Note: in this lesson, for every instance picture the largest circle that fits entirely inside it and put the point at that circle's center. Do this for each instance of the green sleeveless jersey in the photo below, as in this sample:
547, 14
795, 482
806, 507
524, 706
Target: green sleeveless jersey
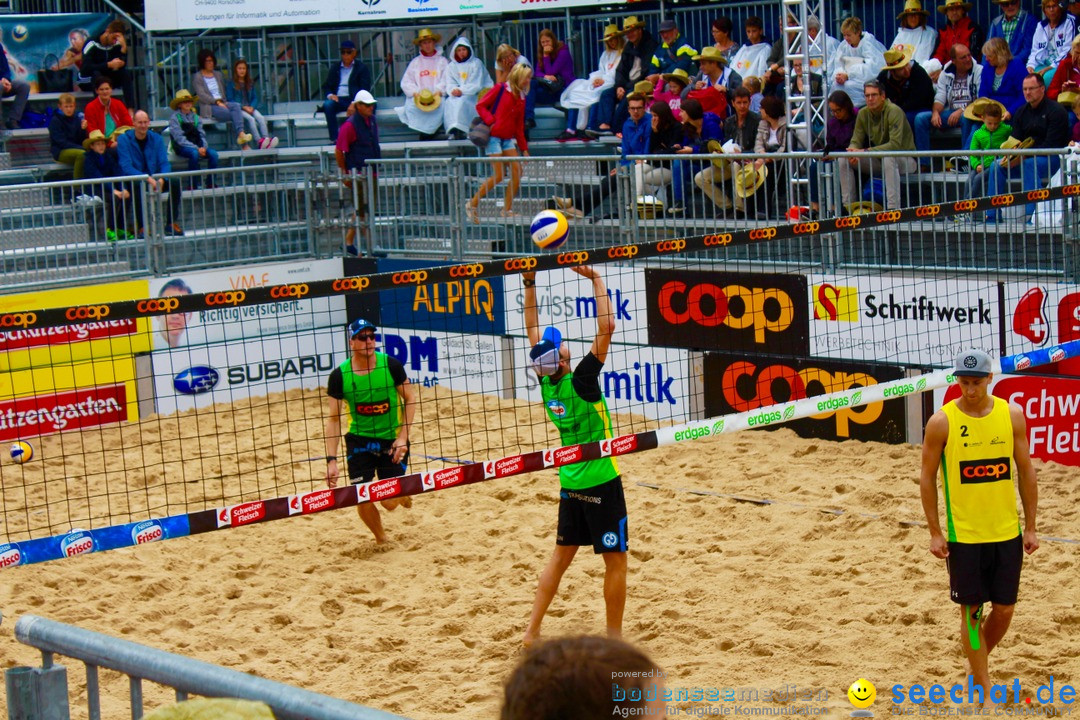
372, 399
579, 421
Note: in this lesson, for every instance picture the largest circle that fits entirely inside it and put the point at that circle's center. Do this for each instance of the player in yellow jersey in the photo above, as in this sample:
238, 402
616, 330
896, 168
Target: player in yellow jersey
980, 444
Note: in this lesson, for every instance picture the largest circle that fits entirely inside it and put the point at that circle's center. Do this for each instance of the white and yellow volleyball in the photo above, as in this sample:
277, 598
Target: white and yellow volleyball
549, 229
21, 451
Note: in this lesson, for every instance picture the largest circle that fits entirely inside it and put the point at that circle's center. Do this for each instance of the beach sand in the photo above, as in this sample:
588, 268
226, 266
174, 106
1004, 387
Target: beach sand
828, 583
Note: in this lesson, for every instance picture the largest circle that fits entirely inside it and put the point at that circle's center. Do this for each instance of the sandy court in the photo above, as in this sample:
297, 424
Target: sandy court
722, 592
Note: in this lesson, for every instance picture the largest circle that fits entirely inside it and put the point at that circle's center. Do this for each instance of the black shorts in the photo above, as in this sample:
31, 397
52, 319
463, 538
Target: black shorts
368, 456
985, 572
595, 516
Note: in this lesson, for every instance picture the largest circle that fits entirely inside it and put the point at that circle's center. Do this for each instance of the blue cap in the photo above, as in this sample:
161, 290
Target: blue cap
973, 363
545, 354
348, 45
668, 25
359, 325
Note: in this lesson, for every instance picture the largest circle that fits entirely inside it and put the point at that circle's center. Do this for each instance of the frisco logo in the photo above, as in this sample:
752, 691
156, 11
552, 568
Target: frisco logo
10, 555
311, 502
77, 542
147, 531
504, 467
618, 446
1023, 362
563, 456
1056, 354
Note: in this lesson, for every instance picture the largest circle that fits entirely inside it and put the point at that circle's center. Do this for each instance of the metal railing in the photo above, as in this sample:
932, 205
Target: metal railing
47, 686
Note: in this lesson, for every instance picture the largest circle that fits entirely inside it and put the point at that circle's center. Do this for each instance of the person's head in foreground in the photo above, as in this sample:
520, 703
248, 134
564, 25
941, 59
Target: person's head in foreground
583, 678
551, 356
973, 371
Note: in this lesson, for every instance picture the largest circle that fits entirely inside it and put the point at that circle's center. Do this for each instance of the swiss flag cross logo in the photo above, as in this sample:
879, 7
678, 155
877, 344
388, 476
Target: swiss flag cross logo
427, 481
489, 469
224, 517
1029, 319
362, 492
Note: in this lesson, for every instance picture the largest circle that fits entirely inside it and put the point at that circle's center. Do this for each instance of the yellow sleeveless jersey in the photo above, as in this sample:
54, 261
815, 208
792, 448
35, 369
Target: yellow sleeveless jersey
977, 474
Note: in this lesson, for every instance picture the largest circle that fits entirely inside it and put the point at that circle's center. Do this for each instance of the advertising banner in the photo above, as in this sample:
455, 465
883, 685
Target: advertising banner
470, 304
358, 304
31, 39
1051, 406
1037, 316
290, 313
471, 363
567, 301
97, 338
648, 381
741, 383
902, 320
713, 310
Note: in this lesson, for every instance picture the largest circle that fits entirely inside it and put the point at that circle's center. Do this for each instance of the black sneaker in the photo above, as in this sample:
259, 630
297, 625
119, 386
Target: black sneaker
565, 135
584, 136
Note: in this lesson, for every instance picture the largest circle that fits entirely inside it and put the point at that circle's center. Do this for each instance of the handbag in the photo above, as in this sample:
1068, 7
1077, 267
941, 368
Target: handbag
54, 80
480, 131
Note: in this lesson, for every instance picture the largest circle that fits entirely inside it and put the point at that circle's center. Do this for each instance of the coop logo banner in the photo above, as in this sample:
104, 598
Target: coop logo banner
1040, 315
748, 383
722, 310
905, 320
470, 303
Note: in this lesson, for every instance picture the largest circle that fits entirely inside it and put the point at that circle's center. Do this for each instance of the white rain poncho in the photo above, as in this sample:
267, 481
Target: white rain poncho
860, 64
581, 94
423, 73
922, 41
752, 60
470, 77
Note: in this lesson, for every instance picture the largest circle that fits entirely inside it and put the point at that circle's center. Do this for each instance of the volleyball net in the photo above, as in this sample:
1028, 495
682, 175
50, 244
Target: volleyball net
178, 405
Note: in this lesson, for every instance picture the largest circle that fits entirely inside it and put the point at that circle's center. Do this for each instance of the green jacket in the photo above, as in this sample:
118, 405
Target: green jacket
886, 130
983, 139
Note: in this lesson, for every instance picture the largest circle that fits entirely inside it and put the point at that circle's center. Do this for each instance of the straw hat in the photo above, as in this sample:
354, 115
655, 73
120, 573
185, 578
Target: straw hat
912, 7
632, 22
427, 100
1067, 98
748, 179
120, 131
863, 207
181, 96
678, 75
612, 30
649, 206
644, 87
711, 53
896, 59
426, 34
953, 3
94, 136
974, 110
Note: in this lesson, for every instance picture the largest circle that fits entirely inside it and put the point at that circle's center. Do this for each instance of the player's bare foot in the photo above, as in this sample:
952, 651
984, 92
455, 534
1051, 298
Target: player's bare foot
530, 639
406, 502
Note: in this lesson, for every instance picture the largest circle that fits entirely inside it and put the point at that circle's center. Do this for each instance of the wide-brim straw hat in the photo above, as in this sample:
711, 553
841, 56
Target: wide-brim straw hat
427, 100
679, 75
93, 137
974, 109
896, 59
181, 96
426, 34
954, 3
632, 22
1067, 98
749, 179
912, 7
711, 53
649, 206
644, 87
862, 207
612, 30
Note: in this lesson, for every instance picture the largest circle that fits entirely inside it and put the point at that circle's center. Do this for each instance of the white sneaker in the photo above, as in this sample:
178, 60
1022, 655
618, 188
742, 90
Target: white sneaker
273, 143
264, 143
87, 200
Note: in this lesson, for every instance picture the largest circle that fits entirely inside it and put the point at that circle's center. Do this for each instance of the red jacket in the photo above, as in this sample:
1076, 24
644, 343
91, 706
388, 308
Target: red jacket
1066, 70
966, 32
95, 115
507, 119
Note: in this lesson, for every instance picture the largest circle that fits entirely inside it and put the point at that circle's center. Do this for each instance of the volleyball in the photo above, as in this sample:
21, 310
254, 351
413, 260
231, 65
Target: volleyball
19, 33
549, 229
21, 451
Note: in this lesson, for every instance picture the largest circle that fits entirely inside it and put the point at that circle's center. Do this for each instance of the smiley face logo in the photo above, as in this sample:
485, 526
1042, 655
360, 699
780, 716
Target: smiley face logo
862, 693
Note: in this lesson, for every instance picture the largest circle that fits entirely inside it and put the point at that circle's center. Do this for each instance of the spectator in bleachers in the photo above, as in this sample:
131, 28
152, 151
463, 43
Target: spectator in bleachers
634, 66
915, 35
1046, 124
671, 87
1067, 75
1016, 27
343, 81
106, 113
857, 59
73, 56
984, 178
108, 56
715, 83
957, 86
423, 84
753, 84
673, 53
12, 88
772, 80
142, 152
358, 142
665, 138
721, 33
958, 28
506, 57
554, 73
102, 165
741, 130
584, 93
187, 137
881, 125
466, 76
753, 57
839, 129
1002, 75
822, 45
906, 84
67, 131
807, 137
209, 86
771, 138
700, 129
1053, 36
503, 109
241, 89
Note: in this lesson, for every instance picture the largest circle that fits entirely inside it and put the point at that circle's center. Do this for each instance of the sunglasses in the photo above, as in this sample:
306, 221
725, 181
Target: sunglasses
363, 337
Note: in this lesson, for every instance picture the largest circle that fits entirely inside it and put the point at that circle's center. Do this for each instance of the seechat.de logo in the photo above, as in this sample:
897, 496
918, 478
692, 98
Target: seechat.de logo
196, 380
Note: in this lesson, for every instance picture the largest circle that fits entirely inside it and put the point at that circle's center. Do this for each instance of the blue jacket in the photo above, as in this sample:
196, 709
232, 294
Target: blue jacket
99, 167
712, 128
138, 160
244, 97
1010, 92
5, 68
635, 138
65, 133
1022, 37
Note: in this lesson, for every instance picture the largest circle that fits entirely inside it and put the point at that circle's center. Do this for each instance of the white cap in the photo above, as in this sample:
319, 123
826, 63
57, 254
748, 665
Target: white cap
364, 97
